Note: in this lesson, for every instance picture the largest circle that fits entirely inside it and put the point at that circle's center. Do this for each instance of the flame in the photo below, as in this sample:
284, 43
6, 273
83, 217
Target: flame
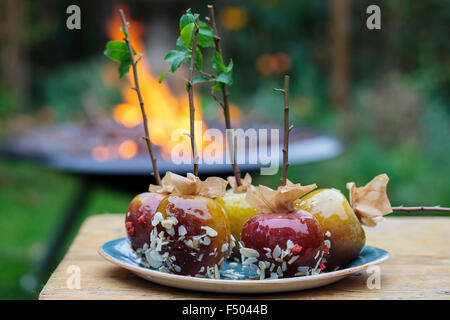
127, 114
235, 114
166, 112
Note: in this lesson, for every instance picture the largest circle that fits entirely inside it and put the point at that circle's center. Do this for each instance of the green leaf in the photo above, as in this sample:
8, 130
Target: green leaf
188, 18
205, 30
200, 79
117, 51
230, 66
198, 65
124, 67
217, 86
162, 76
217, 62
205, 35
180, 45
198, 59
187, 34
176, 58
224, 77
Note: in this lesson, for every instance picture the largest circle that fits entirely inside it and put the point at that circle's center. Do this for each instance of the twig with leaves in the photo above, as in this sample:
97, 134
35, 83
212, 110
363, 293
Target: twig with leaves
191, 99
124, 53
225, 104
286, 130
194, 35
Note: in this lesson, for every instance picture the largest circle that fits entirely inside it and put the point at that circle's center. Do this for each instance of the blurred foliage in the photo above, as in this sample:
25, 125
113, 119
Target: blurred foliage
67, 88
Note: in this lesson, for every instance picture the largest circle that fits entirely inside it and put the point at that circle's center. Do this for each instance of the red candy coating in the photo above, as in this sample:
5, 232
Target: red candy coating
139, 216
263, 232
296, 249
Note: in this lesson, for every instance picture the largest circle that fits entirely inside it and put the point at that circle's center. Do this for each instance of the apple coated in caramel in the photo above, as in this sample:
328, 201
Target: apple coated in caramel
238, 211
138, 220
283, 245
339, 224
191, 236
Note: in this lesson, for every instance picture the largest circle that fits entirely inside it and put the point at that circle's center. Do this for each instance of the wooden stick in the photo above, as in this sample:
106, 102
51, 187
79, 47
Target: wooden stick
225, 105
141, 102
420, 208
286, 130
191, 100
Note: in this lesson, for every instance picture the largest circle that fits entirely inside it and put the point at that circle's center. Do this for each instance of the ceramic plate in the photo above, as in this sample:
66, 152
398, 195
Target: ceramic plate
120, 253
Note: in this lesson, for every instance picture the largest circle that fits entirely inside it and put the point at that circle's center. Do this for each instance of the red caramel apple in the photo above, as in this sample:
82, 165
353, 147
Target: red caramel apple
191, 236
283, 245
138, 220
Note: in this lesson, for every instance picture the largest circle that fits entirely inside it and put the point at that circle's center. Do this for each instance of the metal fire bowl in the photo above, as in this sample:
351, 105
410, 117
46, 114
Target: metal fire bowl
303, 151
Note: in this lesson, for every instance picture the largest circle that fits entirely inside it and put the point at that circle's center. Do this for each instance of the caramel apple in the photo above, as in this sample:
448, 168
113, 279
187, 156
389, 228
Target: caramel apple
236, 207
194, 234
139, 217
191, 233
282, 241
238, 211
339, 224
283, 245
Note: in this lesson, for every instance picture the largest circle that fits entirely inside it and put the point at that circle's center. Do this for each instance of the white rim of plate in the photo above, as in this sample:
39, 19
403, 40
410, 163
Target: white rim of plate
169, 276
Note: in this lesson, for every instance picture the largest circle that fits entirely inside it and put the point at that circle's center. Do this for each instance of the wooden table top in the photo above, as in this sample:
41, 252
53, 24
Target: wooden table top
419, 267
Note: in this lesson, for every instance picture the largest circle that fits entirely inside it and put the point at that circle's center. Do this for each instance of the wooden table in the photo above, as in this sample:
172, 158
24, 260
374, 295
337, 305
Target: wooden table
418, 269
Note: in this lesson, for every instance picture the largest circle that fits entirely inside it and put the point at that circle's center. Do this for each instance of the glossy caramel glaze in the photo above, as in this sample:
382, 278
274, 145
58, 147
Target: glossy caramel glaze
238, 211
336, 216
139, 216
264, 233
192, 255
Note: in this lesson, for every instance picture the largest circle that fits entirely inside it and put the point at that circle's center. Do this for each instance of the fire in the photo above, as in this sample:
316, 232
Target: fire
127, 114
235, 114
166, 111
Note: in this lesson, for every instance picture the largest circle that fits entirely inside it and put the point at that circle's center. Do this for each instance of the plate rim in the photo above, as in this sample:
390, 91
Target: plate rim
170, 276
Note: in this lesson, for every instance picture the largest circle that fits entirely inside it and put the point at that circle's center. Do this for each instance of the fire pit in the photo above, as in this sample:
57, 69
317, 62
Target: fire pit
108, 149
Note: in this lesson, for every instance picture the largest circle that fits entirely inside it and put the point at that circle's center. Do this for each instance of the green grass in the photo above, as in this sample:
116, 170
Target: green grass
33, 201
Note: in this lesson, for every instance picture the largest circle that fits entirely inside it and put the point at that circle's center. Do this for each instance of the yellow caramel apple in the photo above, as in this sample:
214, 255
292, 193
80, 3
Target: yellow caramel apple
339, 224
238, 211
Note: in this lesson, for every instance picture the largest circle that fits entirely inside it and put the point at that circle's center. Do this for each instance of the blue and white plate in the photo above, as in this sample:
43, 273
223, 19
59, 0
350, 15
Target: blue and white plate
120, 253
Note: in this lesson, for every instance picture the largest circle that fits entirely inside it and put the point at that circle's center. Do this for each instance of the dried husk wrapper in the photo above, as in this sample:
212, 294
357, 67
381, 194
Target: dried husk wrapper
266, 200
245, 183
212, 187
370, 202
